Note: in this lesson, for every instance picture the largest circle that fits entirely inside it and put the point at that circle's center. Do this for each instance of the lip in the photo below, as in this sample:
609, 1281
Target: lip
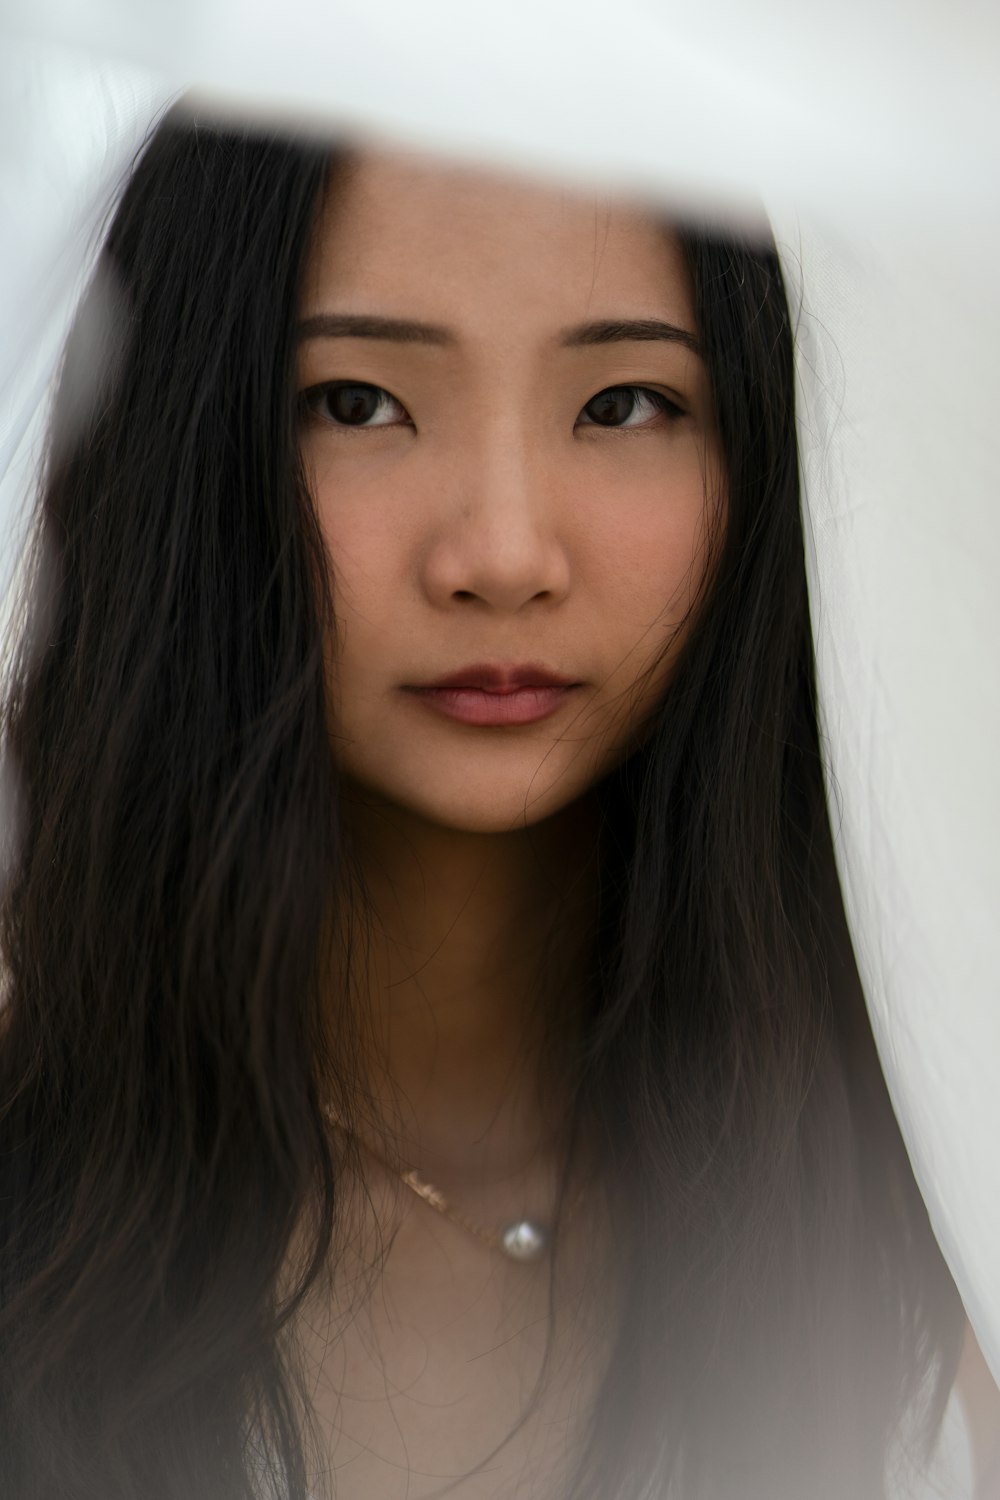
494, 677
492, 696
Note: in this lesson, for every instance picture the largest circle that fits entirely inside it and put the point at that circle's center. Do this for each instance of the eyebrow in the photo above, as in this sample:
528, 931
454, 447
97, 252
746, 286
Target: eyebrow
628, 330
366, 326
405, 331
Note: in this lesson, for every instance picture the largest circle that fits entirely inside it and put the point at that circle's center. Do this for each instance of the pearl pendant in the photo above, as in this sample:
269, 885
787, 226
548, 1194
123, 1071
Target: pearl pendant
524, 1240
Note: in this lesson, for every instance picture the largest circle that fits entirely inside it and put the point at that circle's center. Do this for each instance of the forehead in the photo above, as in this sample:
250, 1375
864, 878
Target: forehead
416, 235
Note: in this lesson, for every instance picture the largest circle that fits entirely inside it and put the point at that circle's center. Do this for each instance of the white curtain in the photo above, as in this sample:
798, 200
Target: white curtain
869, 130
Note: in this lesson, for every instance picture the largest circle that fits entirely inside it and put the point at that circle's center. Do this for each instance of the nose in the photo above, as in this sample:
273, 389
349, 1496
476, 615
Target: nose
501, 539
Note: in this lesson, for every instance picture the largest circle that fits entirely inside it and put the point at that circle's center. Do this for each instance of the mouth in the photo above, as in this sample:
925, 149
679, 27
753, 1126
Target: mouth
494, 696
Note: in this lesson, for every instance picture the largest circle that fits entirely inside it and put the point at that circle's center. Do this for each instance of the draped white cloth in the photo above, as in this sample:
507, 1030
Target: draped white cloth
870, 133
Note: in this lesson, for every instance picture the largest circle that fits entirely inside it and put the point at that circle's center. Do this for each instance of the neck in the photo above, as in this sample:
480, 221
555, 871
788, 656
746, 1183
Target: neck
476, 942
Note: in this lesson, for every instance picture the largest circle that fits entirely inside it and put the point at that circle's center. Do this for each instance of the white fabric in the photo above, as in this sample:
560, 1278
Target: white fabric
870, 132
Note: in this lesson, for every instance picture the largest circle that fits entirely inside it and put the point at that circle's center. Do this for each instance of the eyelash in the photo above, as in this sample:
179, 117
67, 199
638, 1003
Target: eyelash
311, 399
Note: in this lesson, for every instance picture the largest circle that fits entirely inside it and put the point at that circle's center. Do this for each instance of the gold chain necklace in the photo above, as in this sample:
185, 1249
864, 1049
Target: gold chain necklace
521, 1240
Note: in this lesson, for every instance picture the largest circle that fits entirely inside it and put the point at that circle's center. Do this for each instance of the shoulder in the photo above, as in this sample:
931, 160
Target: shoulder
966, 1461
979, 1397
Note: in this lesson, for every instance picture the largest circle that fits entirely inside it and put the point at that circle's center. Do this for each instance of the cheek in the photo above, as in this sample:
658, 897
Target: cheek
364, 558
359, 530
369, 554
647, 542
649, 547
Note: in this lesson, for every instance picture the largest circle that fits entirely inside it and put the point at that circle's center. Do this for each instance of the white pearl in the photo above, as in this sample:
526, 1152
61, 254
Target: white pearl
524, 1240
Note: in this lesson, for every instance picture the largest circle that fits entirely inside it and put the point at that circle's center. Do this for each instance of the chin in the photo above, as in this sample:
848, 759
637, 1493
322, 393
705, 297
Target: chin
468, 808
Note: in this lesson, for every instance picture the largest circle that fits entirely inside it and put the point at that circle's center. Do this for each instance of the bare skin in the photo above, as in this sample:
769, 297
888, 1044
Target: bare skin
419, 1382
421, 1372
980, 1397
472, 931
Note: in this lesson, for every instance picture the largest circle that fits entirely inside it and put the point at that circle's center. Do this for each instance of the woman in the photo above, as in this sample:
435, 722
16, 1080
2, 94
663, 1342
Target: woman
434, 1060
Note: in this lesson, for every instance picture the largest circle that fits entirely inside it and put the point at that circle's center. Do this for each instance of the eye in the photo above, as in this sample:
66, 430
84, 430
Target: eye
616, 406
352, 404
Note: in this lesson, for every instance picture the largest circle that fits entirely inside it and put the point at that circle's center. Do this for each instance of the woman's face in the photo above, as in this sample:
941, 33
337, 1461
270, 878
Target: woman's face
520, 486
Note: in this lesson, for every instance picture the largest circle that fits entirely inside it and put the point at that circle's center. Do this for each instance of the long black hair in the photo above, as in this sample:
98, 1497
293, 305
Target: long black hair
166, 1048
